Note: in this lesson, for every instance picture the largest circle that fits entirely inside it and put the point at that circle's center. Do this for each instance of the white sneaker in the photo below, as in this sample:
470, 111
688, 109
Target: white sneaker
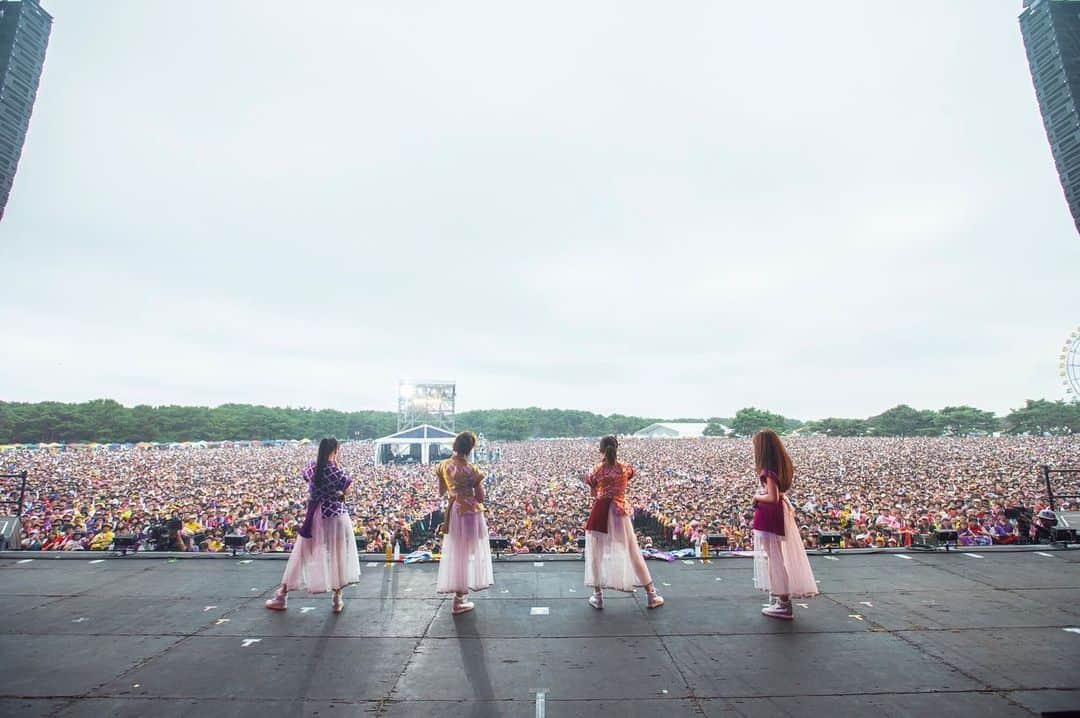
596, 600
780, 609
463, 607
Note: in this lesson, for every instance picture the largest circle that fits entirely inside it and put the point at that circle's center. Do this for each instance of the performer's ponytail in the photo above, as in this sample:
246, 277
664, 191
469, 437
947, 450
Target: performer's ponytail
609, 446
326, 447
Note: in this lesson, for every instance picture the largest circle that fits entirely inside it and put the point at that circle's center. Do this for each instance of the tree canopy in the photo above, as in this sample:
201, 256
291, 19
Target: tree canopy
107, 421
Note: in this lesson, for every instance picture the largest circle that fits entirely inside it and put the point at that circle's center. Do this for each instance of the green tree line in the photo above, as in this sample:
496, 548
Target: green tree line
107, 421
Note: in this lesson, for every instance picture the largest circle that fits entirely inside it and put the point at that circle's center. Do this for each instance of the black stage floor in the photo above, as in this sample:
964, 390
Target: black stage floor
995, 633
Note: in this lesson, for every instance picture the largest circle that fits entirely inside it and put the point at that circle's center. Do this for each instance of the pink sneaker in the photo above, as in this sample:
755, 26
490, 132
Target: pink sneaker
279, 601
463, 606
596, 600
338, 604
655, 600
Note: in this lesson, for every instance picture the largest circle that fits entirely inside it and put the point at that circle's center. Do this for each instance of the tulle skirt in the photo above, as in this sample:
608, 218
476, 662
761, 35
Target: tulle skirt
613, 559
328, 560
466, 555
780, 563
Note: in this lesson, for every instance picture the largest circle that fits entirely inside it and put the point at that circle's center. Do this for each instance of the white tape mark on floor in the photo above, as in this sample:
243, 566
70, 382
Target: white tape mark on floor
831, 558
803, 605
407, 590
305, 609
688, 562
208, 609
973, 555
98, 560
719, 579
80, 620
538, 564
1071, 630
903, 556
1043, 553
245, 562
663, 583
26, 560
573, 590
856, 616
866, 603
371, 564
250, 641
540, 699
539, 611
505, 590
221, 621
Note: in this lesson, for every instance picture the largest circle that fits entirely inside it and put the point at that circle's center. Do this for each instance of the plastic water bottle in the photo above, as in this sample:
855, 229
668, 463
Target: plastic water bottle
397, 551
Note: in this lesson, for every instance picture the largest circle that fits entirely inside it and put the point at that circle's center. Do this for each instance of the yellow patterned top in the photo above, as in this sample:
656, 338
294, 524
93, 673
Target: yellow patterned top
461, 480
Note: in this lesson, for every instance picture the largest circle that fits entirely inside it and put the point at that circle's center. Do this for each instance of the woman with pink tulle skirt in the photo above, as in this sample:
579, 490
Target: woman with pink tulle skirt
781, 567
324, 557
465, 564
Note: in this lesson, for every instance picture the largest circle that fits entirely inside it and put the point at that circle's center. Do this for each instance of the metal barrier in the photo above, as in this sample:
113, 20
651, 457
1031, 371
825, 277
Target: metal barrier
22, 492
1047, 473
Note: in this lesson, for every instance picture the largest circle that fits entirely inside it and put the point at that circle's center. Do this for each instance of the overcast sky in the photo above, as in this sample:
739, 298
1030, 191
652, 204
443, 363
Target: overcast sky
667, 209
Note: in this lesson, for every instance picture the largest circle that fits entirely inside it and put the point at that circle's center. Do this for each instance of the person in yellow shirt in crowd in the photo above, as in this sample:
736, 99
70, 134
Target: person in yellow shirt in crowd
103, 540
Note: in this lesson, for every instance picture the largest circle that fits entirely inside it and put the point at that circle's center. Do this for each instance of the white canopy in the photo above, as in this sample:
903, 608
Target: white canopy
414, 445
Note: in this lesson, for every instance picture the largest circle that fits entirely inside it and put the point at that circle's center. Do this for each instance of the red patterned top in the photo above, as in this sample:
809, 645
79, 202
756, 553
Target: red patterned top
609, 482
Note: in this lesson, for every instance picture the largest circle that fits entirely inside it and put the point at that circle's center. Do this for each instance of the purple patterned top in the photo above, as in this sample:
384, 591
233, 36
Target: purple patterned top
327, 492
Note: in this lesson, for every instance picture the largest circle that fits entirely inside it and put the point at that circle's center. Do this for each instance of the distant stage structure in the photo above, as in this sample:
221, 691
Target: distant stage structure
673, 430
426, 402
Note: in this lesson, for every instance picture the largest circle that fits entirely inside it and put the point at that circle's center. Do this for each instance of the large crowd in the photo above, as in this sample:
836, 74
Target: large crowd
865, 492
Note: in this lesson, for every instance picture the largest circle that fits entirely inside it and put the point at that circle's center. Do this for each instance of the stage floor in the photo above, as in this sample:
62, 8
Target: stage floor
987, 634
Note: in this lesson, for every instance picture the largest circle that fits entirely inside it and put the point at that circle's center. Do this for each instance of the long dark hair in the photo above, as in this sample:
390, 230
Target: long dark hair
770, 455
326, 447
609, 446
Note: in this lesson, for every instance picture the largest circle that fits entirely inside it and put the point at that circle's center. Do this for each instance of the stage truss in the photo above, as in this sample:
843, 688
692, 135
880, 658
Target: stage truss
426, 402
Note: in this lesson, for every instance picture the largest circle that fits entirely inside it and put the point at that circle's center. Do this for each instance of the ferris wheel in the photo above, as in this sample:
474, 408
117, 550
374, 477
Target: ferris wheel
1070, 365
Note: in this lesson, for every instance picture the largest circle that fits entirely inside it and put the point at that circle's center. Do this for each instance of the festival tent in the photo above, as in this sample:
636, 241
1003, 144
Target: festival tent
418, 445
673, 430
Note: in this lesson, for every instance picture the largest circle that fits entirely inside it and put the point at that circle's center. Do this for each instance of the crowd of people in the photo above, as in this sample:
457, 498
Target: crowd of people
868, 491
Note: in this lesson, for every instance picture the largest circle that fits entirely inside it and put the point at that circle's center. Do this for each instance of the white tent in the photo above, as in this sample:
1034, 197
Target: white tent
422, 444
672, 430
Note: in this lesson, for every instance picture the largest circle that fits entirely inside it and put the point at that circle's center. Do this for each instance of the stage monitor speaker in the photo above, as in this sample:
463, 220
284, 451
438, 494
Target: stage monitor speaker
829, 538
1060, 534
125, 542
10, 533
717, 541
235, 542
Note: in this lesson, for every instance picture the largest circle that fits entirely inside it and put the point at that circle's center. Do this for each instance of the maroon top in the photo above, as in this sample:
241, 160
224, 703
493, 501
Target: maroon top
769, 517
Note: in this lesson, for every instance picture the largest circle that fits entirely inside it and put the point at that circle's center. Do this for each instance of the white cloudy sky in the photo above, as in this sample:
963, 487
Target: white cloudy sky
670, 209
